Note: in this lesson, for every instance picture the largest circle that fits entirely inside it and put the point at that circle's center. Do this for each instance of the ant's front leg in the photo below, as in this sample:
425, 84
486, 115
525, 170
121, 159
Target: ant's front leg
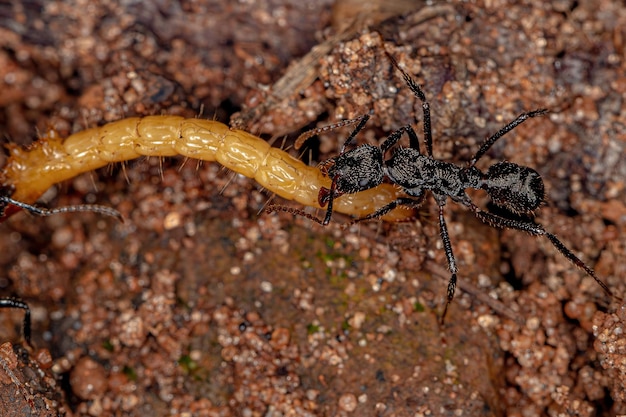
412, 202
327, 196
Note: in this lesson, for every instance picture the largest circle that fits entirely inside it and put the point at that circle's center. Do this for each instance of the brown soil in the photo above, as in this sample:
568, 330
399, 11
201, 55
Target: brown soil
197, 305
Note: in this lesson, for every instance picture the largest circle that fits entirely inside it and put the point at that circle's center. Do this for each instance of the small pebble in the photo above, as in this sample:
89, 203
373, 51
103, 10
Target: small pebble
88, 379
348, 402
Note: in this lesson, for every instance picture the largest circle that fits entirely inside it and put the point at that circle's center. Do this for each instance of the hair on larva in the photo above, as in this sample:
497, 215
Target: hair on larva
31, 171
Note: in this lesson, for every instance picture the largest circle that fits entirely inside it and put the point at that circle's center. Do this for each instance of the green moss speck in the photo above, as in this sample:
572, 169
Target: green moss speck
312, 328
130, 373
188, 364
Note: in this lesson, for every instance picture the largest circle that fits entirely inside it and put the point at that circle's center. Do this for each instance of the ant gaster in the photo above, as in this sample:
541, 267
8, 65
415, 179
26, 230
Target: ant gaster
515, 188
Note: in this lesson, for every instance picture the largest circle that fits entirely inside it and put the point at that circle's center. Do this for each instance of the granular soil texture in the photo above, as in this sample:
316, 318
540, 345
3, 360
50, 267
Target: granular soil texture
200, 304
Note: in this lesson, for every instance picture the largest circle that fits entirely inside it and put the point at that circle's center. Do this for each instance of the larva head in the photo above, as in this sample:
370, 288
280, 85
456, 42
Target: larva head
353, 171
517, 188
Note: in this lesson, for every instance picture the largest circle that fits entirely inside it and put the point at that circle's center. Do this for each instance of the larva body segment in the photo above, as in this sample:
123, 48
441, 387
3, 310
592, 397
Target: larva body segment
240, 153
117, 139
157, 135
31, 171
295, 182
203, 138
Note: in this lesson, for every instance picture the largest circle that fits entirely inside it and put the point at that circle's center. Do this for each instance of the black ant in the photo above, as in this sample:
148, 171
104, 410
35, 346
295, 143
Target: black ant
515, 188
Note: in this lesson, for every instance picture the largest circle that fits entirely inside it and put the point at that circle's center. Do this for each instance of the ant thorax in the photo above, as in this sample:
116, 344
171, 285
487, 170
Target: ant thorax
416, 173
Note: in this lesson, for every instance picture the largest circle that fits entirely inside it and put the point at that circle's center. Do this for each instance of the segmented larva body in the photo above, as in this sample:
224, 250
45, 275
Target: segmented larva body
31, 171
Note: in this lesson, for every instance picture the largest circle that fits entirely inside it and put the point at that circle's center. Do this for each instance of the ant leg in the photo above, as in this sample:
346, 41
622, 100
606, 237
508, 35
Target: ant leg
331, 198
17, 303
43, 212
413, 140
416, 89
447, 246
296, 212
361, 120
506, 129
329, 195
395, 136
537, 230
402, 201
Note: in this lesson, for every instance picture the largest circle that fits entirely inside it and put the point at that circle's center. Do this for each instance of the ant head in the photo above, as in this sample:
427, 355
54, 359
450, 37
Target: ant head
517, 188
357, 170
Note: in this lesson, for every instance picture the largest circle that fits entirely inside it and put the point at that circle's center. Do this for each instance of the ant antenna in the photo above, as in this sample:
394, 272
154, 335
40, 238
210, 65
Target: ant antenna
273, 208
44, 212
361, 120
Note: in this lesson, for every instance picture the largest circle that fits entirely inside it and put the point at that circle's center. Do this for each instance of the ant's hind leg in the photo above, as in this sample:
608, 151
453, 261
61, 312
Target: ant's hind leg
538, 230
506, 129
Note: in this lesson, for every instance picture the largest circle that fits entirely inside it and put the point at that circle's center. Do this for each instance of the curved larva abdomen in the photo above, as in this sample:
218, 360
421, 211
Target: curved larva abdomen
52, 160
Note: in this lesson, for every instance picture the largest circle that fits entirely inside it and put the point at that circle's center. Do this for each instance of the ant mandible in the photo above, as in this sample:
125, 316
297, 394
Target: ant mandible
517, 189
